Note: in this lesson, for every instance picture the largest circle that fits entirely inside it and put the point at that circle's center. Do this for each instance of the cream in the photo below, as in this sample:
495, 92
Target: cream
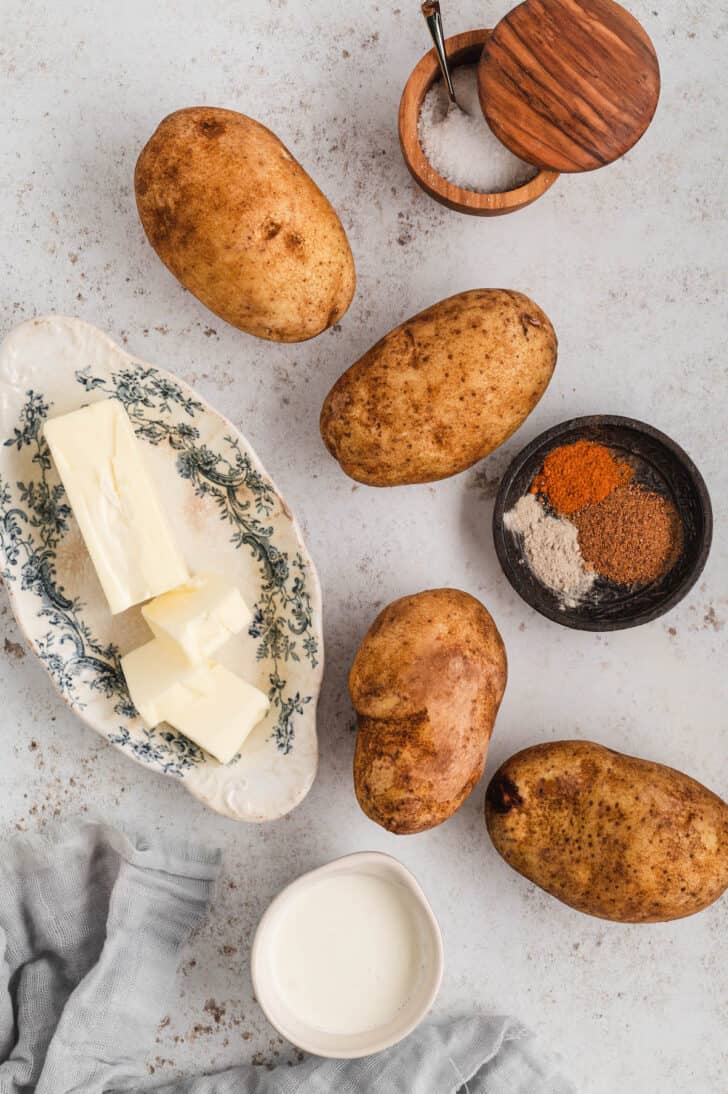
345, 953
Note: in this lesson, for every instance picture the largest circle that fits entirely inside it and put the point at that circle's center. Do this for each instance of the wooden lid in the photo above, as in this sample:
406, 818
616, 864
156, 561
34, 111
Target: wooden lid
569, 85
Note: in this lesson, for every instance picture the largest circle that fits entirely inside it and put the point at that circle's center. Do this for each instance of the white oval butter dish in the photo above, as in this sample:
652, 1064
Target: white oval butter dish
348, 959
227, 517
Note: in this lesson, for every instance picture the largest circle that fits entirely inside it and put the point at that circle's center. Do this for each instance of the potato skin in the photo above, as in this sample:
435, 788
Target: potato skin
442, 390
611, 835
426, 685
240, 223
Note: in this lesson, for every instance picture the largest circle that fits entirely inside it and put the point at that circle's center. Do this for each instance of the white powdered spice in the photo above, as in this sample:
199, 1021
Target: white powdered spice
551, 546
461, 146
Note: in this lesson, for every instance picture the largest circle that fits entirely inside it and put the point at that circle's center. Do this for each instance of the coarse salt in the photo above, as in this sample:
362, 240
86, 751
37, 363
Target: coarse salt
460, 144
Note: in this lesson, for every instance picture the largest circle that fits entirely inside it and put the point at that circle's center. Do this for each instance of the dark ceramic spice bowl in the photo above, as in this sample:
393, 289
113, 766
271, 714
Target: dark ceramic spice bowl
661, 465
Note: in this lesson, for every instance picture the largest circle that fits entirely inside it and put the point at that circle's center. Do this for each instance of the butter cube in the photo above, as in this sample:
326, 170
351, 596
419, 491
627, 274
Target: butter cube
217, 710
207, 703
113, 498
199, 616
157, 673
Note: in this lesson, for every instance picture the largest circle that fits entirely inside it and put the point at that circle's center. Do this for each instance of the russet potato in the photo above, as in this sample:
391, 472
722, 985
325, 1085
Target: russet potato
426, 685
611, 835
240, 223
442, 390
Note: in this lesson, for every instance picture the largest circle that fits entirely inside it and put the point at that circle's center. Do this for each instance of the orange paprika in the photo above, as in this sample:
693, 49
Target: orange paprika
580, 474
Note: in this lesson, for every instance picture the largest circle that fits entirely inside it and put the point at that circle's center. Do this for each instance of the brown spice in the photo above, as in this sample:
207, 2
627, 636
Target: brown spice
580, 474
633, 537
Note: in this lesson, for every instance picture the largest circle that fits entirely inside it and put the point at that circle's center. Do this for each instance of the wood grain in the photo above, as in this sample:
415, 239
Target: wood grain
462, 49
569, 85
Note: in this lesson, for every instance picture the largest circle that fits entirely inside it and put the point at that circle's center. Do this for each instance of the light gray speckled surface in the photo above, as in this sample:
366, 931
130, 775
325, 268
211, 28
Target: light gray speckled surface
630, 265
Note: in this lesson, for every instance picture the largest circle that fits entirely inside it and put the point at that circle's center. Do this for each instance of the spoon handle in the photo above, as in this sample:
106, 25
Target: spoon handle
431, 12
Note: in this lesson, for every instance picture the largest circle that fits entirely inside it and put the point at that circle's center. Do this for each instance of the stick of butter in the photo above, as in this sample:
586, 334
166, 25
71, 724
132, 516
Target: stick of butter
113, 498
199, 616
210, 705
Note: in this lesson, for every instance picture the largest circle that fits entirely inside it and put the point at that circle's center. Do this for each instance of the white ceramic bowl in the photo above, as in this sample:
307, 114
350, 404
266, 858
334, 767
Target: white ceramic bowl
426, 980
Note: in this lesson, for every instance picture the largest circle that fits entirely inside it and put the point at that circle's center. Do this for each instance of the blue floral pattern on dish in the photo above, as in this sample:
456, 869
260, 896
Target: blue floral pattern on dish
35, 515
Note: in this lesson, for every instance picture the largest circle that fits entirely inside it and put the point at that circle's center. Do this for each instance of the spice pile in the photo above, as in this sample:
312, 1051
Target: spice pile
585, 517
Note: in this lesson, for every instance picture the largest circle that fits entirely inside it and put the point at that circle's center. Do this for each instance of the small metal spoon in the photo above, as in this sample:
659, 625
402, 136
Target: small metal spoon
431, 12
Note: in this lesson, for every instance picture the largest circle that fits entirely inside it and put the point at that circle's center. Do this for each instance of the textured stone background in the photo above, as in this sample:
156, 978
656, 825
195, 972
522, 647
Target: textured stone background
630, 265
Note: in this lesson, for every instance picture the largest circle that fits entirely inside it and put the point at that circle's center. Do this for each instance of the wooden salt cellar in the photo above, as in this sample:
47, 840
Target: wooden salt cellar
462, 49
567, 85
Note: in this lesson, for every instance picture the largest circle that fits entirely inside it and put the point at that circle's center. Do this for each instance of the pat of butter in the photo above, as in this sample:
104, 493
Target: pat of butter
199, 616
210, 705
156, 675
217, 710
113, 498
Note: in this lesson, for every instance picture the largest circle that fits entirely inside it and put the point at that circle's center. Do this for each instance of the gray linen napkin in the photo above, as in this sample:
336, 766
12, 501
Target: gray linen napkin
91, 925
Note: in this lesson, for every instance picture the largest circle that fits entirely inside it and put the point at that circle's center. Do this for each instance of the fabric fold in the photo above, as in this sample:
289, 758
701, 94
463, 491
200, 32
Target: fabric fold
91, 924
